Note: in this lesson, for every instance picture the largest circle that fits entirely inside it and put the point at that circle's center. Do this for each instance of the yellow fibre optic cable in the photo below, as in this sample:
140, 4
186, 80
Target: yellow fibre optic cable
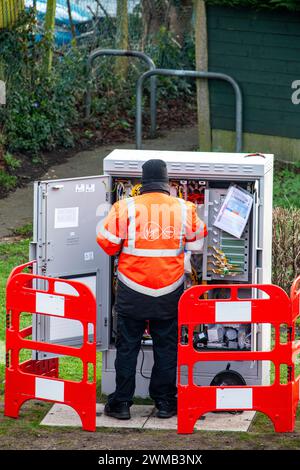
135, 191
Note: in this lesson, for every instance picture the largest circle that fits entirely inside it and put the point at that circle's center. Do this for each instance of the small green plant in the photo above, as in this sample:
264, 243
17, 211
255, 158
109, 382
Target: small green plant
11, 162
25, 231
287, 187
7, 182
88, 134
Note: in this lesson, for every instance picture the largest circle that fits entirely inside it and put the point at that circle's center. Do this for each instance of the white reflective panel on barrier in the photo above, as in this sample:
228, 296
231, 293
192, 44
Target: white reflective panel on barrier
50, 304
233, 311
234, 398
49, 389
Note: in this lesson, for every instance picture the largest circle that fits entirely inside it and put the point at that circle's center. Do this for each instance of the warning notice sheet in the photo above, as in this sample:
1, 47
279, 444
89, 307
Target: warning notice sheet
235, 211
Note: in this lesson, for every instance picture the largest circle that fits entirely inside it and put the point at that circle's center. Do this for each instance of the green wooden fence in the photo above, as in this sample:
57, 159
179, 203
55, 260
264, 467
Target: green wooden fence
261, 50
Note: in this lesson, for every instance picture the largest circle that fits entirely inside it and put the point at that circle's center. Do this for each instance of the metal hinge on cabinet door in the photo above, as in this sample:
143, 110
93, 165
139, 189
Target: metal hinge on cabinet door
32, 251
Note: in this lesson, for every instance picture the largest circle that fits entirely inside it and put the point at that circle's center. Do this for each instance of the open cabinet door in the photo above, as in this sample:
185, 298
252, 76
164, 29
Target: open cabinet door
66, 216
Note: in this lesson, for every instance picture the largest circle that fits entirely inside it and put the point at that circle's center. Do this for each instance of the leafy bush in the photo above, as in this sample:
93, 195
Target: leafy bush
42, 117
40, 107
167, 53
287, 187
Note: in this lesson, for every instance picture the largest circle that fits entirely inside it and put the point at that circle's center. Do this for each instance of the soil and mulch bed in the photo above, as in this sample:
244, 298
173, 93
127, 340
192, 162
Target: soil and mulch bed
171, 115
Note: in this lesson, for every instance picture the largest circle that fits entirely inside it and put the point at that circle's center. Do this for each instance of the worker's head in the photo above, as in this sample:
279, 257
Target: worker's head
155, 177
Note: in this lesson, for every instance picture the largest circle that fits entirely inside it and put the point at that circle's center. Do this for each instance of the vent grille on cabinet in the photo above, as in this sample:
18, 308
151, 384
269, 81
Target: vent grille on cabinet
133, 165
176, 166
190, 166
119, 164
233, 168
204, 167
247, 169
219, 168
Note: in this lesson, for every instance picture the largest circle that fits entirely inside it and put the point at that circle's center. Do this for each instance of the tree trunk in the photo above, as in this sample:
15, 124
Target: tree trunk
122, 38
203, 109
71, 23
49, 34
155, 15
175, 16
180, 19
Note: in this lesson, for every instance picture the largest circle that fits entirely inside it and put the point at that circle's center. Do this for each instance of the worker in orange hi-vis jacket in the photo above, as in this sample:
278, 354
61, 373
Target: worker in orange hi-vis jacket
149, 232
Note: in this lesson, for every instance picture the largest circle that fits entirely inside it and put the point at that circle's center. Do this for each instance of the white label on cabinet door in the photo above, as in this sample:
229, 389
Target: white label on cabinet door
79, 188
50, 304
88, 256
233, 311
66, 217
49, 389
90, 188
234, 398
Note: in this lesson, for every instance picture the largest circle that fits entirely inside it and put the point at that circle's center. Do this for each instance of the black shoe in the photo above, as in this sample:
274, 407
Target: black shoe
119, 410
166, 409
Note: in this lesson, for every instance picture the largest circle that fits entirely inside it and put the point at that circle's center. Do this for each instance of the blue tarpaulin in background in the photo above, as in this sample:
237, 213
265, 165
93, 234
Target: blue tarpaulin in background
80, 14
62, 29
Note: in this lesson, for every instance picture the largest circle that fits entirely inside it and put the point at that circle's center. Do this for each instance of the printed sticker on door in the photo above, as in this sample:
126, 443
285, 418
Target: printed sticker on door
66, 217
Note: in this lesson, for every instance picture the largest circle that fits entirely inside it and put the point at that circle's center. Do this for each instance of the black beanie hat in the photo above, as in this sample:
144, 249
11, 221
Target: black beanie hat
155, 176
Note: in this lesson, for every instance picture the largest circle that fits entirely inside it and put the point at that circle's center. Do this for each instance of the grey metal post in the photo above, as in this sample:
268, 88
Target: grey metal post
192, 74
123, 53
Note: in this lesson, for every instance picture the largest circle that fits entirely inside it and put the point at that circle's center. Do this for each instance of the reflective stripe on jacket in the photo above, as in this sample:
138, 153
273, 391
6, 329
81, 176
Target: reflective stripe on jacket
150, 232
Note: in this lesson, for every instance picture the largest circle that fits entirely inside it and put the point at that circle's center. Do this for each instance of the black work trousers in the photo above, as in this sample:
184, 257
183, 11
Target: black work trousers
128, 343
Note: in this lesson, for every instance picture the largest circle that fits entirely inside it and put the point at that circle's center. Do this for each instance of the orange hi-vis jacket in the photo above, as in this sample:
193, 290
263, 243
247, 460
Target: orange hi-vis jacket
150, 232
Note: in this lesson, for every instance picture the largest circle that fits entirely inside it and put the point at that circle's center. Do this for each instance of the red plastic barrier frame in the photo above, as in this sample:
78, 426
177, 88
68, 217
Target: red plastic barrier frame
295, 300
278, 401
39, 379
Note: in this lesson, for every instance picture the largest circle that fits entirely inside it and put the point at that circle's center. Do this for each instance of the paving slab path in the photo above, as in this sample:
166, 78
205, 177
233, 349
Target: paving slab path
16, 210
143, 417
